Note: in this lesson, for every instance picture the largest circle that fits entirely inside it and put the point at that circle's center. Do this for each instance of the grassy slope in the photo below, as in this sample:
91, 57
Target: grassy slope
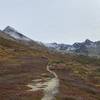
80, 79
19, 65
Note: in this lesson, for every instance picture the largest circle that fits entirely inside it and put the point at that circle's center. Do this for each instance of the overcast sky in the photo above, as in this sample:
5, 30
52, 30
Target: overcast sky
62, 21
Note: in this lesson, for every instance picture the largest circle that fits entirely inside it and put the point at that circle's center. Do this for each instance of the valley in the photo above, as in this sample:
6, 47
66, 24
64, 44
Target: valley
25, 73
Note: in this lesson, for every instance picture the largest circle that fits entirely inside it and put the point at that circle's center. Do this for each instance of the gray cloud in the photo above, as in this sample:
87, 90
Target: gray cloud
53, 20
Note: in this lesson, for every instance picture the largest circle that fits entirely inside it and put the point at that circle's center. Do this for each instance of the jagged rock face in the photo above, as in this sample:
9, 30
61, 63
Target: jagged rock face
87, 48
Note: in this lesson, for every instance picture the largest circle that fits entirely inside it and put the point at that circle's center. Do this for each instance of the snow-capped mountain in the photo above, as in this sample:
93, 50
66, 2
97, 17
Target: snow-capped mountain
12, 34
15, 34
88, 48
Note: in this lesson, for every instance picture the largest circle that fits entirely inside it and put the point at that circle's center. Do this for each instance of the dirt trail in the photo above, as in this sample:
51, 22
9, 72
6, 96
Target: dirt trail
49, 87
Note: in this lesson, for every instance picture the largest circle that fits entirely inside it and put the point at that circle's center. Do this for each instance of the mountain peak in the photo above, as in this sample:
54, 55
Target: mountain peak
88, 41
15, 34
9, 28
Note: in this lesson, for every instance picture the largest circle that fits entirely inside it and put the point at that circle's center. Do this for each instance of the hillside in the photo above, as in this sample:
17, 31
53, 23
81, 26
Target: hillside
19, 65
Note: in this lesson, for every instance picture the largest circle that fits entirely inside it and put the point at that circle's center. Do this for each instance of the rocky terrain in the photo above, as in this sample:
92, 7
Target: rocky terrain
23, 62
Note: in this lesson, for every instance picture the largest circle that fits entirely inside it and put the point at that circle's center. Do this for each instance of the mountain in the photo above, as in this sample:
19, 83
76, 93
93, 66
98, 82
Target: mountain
15, 34
87, 48
12, 34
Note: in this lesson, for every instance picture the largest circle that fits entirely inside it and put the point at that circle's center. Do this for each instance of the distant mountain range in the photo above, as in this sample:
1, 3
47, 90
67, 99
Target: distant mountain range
87, 48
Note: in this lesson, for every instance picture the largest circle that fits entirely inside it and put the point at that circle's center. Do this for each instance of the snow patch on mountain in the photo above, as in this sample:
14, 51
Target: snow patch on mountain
15, 34
51, 45
88, 48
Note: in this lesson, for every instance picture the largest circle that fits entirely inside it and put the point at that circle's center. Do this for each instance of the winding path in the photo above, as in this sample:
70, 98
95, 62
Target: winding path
50, 87
48, 69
